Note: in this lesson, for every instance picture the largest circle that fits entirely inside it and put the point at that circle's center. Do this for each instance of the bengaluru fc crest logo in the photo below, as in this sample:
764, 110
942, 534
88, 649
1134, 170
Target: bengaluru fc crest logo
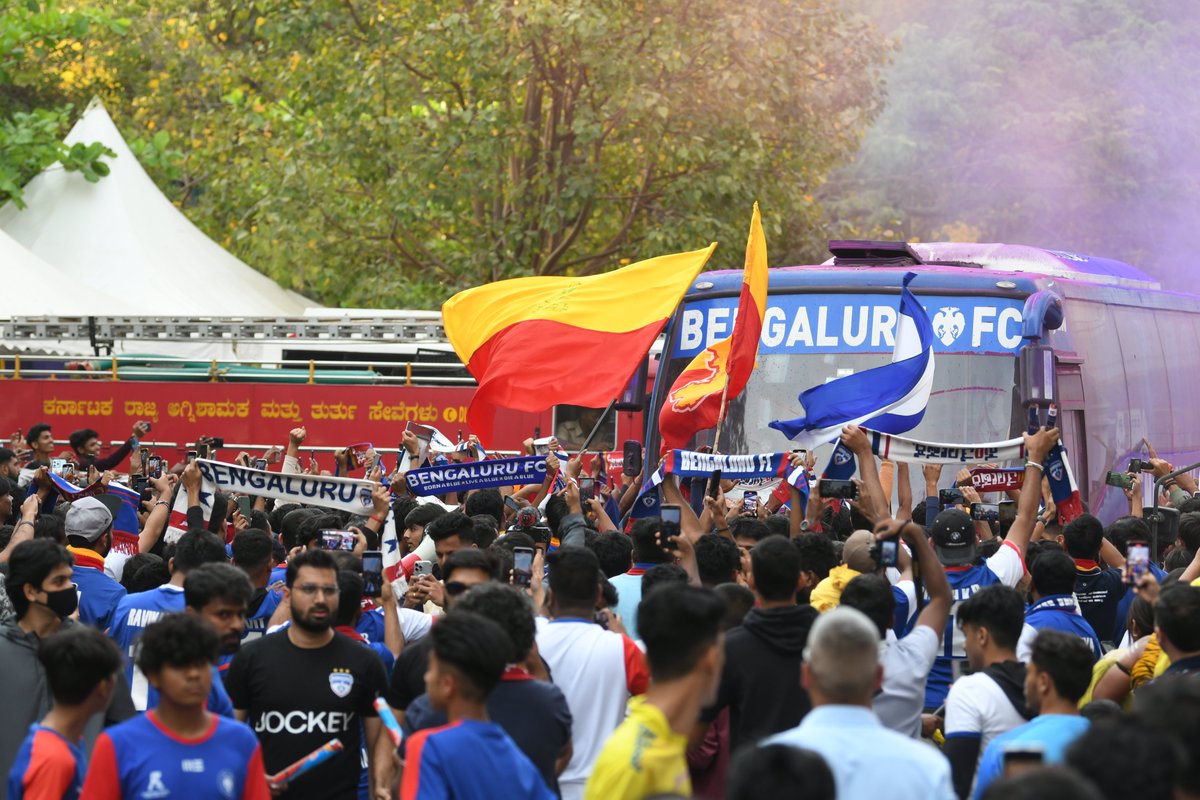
341, 682
948, 324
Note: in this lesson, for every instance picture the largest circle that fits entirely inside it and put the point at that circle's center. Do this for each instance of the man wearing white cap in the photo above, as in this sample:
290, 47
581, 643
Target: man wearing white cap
89, 538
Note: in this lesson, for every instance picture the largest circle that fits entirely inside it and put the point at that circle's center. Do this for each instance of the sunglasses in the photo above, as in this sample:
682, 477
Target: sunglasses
454, 588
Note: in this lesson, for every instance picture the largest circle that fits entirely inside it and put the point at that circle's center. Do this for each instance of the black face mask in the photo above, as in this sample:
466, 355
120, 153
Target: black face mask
63, 602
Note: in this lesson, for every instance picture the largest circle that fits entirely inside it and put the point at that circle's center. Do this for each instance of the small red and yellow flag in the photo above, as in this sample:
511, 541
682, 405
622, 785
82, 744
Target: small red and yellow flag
532, 343
694, 402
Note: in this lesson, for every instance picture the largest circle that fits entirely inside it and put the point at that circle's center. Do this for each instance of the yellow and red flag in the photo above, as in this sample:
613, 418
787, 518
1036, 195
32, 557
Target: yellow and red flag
694, 402
532, 343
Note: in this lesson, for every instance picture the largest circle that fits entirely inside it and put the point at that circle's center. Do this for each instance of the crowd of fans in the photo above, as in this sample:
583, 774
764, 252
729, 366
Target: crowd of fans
802, 646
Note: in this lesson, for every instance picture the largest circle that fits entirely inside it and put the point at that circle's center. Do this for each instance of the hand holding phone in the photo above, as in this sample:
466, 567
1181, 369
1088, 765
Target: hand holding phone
1137, 562
522, 566
372, 573
831, 489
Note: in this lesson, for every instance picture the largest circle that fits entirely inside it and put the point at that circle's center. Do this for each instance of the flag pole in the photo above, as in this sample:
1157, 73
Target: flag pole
714, 482
597, 426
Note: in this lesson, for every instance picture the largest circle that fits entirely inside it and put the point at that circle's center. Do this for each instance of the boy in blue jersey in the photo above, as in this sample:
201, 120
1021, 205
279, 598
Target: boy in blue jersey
177, 749
1054, 606
81, 666
469, 757
253, 555
957, 545
136, 611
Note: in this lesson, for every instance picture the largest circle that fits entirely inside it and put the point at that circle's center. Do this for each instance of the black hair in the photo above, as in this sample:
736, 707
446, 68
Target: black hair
1035, 550
778, 525
556, 510
312, 525
988, 548
573, 576
778, 770
197, 548
646, 549
486, 501
749, 528
661, 575
818, 554
717, 559
609, 595
509, 609
1083, 536
1053, 572
350, 592
290, 525
216, 581
252, 549
6, 532
75, 660
738, 602
1172, 707
81, 437
837, 524
1189, 530
423, 515
513, 539
1189, 505
177, 640
1131, 529
1141, 611
999, 610
316, 558
135, 564
775, 565
1177, 615
31, 562
473, 646
447, 526
51, 526
259, 519
1066, 659
614, 550
470, 559
35, 432
1124, 758
221, 503
1098, 710
485, 530
400, 508
1042, 782
858, 520
1179, 558
678, 623
872, 595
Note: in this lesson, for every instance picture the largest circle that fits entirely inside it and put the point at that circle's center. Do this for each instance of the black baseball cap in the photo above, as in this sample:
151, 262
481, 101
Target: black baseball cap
953, 536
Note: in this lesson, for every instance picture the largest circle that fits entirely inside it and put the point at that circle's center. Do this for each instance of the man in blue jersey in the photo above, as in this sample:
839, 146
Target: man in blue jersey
252, 554
177, 749
89, 538
470, 757
957, 546
1054, 607
136, 611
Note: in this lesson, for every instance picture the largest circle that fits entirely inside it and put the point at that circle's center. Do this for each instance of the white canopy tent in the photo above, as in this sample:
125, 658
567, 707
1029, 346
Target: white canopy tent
33, 287
122, 238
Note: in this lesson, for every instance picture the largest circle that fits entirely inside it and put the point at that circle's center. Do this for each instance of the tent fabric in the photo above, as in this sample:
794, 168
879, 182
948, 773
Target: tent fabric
34, 288
122, 238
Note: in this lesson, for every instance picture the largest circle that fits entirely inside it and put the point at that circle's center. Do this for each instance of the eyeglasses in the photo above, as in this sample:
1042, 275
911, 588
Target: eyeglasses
314, 589
454, 588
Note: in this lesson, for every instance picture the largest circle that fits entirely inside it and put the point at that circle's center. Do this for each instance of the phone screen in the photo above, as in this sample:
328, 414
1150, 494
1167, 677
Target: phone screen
522, 565
985, 512
337, 540
260, 464
888, 554
1137, 562
372, 571
244, 504
511, 502
750, 502
191, 456
631, 462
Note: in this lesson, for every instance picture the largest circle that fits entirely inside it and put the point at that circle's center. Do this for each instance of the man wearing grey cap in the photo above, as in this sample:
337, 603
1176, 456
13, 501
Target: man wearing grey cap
89, 538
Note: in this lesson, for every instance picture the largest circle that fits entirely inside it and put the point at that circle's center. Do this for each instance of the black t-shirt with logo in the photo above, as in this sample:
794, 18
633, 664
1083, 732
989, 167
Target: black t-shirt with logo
298, 699
1099, 592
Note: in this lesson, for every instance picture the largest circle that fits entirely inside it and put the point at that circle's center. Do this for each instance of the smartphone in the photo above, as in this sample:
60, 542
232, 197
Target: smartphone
144, 457
750, 502
422, 568
215, 443
312, 463
1140, 465
68, 471
244, 504
541, 447
56, 465
587, 488
522, 565
372, 573
950, 497
888, 553
985, 512
1122, 480
1008, 512
154, 466
338, 540
845, 490
140, 483
631, 457
148, 425
1020, 758
1137, 562
201, 450
192, 455
670, 516
260, 464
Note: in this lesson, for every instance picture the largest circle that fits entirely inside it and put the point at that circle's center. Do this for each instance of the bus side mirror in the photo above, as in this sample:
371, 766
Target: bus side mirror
1037, 385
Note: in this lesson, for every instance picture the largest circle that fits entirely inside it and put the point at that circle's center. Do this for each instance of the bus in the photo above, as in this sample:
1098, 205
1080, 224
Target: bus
1125, 353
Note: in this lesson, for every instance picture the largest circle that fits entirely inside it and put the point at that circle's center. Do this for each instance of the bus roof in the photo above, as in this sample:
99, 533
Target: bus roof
940, 263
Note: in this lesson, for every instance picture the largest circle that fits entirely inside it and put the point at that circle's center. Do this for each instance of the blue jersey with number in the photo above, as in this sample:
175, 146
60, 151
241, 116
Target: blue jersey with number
135, 612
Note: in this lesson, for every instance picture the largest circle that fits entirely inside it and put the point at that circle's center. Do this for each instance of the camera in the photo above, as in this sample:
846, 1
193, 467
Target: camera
529, 520
950, 497
1140, 465
885, 552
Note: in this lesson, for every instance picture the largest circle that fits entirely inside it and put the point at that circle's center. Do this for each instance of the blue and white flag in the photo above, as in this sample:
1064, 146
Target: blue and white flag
476, 475
891, 398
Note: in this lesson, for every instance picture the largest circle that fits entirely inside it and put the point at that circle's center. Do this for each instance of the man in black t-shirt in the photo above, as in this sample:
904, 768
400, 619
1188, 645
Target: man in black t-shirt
305, 685
1099, 589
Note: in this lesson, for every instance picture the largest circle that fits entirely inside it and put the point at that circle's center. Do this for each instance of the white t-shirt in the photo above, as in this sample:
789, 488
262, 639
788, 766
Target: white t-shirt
906, 664
977, 706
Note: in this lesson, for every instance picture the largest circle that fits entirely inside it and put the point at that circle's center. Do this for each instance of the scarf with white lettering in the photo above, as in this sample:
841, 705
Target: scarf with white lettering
690, 464
464, 476
842, 464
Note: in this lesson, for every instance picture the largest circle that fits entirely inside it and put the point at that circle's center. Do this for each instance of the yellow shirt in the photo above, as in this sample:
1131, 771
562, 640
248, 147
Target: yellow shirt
828, 593
643, 757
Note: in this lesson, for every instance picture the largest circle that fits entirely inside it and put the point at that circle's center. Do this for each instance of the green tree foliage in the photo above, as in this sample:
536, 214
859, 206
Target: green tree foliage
383, 153
1062, 123
42, 52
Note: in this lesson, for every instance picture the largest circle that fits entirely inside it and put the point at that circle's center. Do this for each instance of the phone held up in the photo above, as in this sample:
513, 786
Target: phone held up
522, 566
1137, 562
338, 540
372, 573
842, 490
631, 458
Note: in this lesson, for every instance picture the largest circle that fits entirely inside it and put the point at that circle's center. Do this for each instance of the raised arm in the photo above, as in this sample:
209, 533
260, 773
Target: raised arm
1037, 447
877, 505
